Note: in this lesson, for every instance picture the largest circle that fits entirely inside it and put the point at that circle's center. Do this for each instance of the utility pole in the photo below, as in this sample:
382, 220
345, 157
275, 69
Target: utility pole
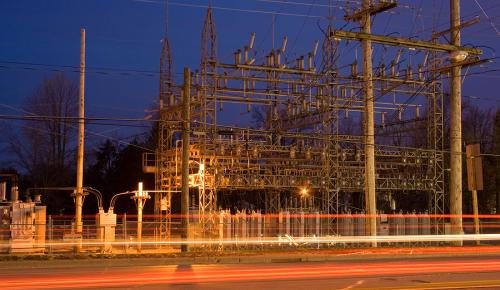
455, 128
185, 158
370, 201
81, 136
371, 8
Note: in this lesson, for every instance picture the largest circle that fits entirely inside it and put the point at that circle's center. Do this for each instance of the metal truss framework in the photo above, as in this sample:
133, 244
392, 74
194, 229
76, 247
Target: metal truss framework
162, 206
300, 144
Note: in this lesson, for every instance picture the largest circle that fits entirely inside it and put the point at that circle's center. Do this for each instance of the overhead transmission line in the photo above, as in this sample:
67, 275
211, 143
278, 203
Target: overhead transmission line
401, 73
172, 3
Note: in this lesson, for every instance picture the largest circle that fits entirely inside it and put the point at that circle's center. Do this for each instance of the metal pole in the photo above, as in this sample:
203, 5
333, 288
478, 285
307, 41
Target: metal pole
81, 128
51, 234
476, 214
124, 230
185, 158
455, 129
370, 202
475, 209
140, 205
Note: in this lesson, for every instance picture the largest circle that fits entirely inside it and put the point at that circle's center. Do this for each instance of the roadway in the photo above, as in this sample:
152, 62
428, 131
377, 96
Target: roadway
478, 271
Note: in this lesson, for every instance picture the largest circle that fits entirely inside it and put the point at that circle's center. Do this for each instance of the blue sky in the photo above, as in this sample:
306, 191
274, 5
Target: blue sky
125, 34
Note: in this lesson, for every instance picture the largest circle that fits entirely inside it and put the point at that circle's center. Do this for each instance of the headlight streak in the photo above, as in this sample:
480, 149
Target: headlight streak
300, 240
203, 274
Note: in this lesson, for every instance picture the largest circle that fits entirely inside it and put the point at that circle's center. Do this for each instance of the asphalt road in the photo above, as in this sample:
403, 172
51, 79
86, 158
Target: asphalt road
447, 272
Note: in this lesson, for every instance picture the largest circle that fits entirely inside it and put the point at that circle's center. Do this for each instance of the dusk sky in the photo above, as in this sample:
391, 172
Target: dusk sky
123, 43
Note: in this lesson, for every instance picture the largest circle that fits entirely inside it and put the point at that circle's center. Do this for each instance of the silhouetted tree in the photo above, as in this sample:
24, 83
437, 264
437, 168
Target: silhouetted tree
44, 149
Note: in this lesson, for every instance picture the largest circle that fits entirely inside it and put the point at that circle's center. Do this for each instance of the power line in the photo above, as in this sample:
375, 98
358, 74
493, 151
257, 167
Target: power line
231, 9
240, 129
76, 119
489, 19
32, 115
402, 73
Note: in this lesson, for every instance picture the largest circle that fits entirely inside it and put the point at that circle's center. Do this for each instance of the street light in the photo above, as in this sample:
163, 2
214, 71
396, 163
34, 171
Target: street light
140, 198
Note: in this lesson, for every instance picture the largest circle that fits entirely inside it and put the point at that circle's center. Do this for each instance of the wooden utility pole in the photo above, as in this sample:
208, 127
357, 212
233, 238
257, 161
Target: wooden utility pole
186, 96
363, 15
370, 200
81, 141
455, 129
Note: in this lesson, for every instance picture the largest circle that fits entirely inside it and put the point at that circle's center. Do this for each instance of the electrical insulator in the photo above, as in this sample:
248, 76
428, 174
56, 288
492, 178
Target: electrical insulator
300, 62
382, 71
252, 40
354, 69
278, 58
315, 49
358, 156
171, 100
237, 57
255, 152
308, 153
323, 155
283, 45
245, 54
409, 73
310, 63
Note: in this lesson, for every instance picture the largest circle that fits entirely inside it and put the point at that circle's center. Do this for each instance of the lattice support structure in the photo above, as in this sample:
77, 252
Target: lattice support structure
162, 201
304, 141
206, 110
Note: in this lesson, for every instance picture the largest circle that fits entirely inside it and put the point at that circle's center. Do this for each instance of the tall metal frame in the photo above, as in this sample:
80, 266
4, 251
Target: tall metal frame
301, 144
162, 201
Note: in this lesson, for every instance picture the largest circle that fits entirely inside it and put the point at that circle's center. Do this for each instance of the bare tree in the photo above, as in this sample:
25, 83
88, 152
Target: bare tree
42, 148
477, 125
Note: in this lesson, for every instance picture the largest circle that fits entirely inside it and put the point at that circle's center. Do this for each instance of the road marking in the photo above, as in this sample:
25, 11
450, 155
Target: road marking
360, 282
446, 285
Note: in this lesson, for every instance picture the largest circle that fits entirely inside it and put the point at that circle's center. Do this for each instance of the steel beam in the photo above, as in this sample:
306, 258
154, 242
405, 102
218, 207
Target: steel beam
398, 41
